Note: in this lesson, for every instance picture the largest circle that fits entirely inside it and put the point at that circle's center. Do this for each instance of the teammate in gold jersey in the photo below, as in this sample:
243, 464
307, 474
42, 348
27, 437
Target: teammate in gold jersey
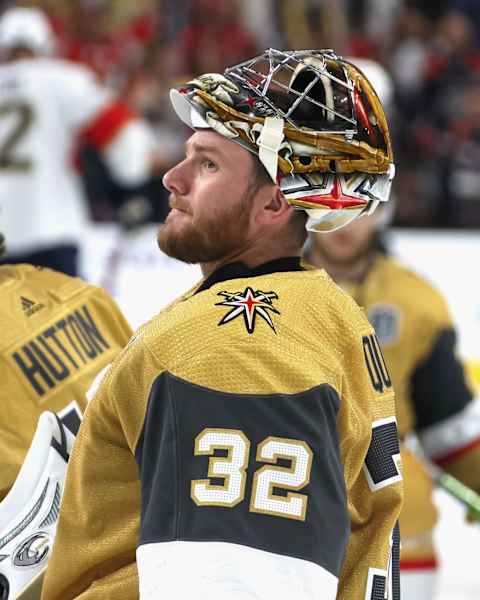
433, 397
244, 444
57, 334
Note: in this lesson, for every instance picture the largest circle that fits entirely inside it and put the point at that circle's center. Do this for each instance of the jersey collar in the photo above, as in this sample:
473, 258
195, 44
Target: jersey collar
238, 270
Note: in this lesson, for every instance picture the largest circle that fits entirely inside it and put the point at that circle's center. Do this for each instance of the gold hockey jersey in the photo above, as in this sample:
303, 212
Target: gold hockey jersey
243, 443
57, 333
433, 396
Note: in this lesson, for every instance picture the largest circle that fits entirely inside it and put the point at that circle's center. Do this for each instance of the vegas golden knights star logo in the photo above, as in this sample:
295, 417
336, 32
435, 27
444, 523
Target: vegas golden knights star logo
249, 304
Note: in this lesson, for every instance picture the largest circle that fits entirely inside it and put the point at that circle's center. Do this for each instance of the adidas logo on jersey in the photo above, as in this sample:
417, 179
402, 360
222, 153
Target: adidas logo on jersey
30, 307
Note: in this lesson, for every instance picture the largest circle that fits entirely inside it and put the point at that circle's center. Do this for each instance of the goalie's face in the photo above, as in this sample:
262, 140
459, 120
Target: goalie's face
211, 196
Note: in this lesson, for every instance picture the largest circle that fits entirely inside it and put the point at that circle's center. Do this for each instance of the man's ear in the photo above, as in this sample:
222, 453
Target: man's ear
273, 206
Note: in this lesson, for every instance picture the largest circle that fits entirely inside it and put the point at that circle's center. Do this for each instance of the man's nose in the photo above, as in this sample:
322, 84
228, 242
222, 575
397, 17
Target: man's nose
174, 179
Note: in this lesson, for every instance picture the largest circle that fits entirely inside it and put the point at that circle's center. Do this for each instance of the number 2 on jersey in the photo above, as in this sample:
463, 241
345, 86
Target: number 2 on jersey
232, 470
22, 116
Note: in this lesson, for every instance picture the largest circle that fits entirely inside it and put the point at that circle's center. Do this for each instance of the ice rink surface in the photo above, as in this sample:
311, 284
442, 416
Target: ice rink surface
143, 282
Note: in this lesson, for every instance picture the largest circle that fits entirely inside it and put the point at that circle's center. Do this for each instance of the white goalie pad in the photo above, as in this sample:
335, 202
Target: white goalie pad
29, 512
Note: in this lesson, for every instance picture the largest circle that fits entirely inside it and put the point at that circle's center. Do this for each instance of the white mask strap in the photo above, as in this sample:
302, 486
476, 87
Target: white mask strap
269, 143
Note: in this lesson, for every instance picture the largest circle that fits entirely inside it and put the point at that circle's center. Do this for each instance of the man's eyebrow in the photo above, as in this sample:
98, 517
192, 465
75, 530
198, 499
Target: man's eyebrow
202, 148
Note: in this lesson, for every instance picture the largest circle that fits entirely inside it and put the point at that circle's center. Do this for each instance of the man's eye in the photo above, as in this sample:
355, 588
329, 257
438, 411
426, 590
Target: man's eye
209, 165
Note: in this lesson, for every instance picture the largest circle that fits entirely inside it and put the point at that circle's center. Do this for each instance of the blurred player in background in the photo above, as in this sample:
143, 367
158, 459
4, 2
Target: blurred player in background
418, 338
49, 108
228, 452
58, 333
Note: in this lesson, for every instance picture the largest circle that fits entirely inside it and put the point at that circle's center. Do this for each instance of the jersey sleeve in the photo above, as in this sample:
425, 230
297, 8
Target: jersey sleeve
439, 388
446, 409
92, 557
80, 95
371, 458
105, 122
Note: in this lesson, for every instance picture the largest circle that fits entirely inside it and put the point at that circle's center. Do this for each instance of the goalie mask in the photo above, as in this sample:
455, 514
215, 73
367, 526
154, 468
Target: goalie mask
314, 121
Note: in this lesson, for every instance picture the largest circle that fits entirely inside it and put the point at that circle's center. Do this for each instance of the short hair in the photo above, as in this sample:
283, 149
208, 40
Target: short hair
259, 176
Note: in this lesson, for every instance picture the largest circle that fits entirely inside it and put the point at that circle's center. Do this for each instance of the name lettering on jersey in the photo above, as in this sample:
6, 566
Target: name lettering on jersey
249, 304
376, 367
30, 307
60, 350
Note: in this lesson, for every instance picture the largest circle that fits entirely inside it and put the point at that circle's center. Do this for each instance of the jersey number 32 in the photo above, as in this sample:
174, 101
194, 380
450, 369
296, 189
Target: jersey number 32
228, 473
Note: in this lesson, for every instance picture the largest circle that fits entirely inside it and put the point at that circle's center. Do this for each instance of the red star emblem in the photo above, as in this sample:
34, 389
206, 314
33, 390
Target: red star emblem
338, 199
249, 304
249, 101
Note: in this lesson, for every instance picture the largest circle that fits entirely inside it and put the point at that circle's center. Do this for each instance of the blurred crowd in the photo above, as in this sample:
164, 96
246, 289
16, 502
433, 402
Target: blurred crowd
431, 48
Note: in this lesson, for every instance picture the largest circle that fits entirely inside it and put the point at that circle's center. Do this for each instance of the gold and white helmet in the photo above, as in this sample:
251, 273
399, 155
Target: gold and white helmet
315, 122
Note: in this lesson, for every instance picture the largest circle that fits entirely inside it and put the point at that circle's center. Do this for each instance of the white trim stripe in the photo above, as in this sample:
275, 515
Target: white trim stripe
452, 434
224, 571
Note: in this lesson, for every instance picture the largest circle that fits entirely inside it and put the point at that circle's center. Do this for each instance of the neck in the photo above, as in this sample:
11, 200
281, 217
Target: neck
349, 271
253, 256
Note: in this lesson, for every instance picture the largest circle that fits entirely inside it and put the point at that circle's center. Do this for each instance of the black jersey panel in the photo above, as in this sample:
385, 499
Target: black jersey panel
439, 389
182, 416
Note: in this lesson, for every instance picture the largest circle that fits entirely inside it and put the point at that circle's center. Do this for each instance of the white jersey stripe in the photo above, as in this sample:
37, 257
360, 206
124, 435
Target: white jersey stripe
452, 434
224, 571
